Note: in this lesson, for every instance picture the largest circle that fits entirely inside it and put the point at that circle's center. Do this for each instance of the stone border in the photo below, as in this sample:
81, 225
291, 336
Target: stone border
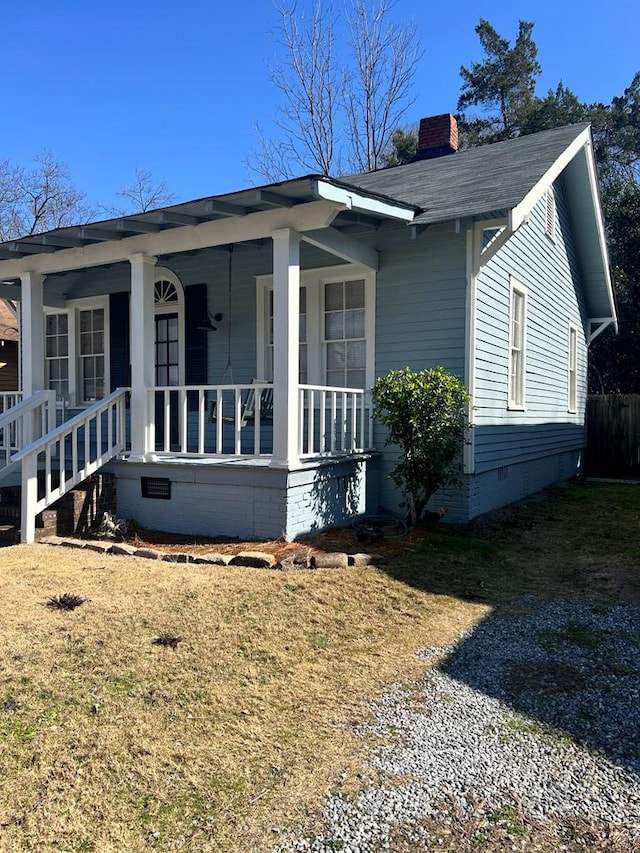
297, 560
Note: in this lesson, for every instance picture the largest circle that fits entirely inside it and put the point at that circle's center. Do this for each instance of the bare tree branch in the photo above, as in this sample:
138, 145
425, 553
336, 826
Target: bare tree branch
38, 199
336, 117
305, 75
377, 93
145, 194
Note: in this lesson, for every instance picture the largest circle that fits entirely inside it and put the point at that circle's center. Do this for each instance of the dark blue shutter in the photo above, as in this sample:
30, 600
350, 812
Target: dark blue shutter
119, 340
195, 313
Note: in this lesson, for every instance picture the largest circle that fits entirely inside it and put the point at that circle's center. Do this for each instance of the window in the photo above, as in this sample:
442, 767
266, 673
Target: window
550, 214
92, 351
76, 351
167, 350
345, 342
168, 301
57, 354
517, 355
573, 369
337, 310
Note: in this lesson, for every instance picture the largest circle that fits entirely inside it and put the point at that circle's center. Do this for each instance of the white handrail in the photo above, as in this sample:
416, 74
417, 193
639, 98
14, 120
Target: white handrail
23, 423
91, 447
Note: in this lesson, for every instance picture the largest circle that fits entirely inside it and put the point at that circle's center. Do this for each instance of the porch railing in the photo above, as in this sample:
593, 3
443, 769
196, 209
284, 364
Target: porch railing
56, 462
9, 399
23, 421
218, 420
237, 420
333, 420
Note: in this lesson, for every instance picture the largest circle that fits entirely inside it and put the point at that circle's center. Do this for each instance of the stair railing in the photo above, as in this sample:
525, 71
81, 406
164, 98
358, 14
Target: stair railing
69, 454
23, 423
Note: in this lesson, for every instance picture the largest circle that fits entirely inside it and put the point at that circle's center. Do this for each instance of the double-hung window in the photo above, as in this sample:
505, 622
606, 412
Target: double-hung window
517, 346
91, 355
57, 354
336, 340
76, 352
345, 342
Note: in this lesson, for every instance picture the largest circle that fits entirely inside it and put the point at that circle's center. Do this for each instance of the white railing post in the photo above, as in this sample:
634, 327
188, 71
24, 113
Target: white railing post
29, 499
142, 352
286, 322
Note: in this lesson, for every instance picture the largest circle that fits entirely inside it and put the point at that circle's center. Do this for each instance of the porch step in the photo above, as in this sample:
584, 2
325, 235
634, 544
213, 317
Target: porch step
74, 514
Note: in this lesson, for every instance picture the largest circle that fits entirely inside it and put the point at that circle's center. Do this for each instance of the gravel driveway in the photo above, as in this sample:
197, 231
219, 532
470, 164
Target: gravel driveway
533, 714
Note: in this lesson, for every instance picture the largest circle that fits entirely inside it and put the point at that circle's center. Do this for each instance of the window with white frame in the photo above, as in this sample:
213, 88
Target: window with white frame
91, 363
337, 310
345, 344
76, 351
573, 369
517, 346
57, 353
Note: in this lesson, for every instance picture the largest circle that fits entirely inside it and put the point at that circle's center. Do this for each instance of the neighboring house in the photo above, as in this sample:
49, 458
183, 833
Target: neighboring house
9, 380
248, 327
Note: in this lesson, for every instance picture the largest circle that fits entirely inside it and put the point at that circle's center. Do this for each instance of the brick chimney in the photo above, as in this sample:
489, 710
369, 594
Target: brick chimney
438, 135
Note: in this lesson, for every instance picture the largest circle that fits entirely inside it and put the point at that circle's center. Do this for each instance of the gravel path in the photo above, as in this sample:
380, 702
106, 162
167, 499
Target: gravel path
540, 708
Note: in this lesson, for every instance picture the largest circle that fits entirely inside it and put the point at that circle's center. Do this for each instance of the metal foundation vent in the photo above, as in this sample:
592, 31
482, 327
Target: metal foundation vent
156, 487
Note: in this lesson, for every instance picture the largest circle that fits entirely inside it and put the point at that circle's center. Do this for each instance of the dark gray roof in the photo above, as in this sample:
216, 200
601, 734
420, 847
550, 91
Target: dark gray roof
478, 180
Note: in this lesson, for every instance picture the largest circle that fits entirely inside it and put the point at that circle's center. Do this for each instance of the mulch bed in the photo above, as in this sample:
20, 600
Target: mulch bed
336, 539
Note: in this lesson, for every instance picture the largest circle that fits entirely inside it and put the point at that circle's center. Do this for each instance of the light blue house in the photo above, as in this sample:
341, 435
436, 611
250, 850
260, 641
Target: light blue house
215, 356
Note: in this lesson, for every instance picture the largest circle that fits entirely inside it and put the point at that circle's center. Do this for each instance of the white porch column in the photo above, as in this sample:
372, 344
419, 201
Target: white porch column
141, 324
32, 332
286, 322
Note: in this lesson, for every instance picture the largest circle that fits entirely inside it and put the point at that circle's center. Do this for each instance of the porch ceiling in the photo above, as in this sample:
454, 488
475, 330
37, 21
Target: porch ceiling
354, 202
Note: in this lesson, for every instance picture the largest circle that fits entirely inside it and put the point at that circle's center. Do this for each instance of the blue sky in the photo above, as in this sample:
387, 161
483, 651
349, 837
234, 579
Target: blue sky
177, 88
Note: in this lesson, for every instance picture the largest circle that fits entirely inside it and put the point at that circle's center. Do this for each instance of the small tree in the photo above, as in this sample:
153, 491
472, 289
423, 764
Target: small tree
424, 412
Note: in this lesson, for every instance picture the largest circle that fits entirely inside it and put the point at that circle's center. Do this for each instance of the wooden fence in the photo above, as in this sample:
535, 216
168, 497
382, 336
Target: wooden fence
613, 435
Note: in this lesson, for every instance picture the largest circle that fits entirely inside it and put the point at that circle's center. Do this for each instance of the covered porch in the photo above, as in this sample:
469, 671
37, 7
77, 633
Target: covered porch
120, 321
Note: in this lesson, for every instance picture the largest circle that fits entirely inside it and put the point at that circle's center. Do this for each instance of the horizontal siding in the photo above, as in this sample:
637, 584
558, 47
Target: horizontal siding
420, 323
549, 270
512, 482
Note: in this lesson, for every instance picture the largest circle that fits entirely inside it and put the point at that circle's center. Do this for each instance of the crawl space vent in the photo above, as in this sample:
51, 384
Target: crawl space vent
156, 487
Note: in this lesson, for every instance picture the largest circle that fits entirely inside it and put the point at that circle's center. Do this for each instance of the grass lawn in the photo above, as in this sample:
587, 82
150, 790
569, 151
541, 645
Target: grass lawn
239, 722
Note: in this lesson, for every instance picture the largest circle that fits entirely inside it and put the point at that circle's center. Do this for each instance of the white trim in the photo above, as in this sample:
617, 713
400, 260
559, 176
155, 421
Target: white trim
572, 368
550, 215
517, 288
519, 213
351, 199
314, 280
469, 451
177, 307
219, 232
600, 323
343, 247
594, 185
286, 293
71, 309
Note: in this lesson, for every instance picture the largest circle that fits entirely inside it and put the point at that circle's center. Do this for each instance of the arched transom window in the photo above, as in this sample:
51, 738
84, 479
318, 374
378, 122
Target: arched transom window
168, 298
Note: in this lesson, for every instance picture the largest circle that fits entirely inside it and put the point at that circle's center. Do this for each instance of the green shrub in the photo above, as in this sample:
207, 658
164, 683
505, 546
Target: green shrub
424, 412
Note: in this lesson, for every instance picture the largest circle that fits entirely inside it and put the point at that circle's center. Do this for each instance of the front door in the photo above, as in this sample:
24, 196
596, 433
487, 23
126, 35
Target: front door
167, 372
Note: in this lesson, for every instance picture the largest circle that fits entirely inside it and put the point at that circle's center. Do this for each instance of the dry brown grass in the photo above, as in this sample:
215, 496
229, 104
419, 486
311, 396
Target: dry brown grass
112, 743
